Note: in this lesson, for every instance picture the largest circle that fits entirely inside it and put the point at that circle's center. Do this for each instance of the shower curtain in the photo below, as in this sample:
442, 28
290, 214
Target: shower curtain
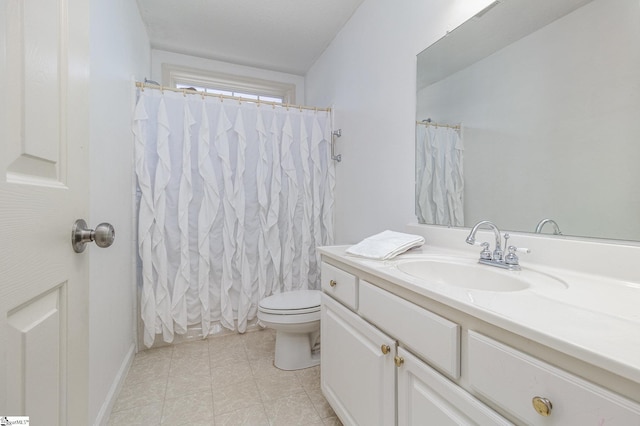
439, 176
234, 198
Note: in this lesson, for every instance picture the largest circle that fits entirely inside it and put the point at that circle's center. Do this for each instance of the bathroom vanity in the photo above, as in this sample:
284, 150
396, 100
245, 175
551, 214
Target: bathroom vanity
433, 337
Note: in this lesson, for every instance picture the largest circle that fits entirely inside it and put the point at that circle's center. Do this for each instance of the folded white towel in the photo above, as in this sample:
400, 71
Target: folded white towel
385, 245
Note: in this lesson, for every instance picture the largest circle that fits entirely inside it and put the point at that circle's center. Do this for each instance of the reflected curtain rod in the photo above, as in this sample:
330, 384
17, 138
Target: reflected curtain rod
428, 122
233, 98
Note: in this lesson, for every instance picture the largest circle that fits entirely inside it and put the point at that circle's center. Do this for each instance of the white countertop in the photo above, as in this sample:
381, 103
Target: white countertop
593, 318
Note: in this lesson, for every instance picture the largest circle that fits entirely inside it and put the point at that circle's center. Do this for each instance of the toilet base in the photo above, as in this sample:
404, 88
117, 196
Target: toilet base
294, 350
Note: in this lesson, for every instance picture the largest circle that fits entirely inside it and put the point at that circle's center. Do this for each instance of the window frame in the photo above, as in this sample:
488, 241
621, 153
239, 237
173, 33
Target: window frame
172, 75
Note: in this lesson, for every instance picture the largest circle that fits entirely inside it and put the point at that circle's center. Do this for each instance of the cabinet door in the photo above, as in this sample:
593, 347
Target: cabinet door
357, 378
514, 380
425, 397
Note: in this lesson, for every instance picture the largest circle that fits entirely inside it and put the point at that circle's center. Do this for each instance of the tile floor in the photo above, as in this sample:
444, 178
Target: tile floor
226, 380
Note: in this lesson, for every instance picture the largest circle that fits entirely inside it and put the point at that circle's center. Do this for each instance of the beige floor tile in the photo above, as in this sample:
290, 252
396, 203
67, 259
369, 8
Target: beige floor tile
292, 410
309, 378
278, 386
146, 415
226, 380
260, 344
239, 371
225, 341
221, 356
332, 421
236, 396
163, 352
195, 365
259, 350
264, 367
250, 416
188, 409
320, 403
193, 349
139, 394
260, 337
200, 423
264, 334
179, 385
148, 368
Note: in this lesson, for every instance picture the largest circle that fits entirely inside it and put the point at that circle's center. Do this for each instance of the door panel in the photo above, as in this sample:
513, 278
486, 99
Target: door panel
36, 58
34, 336
44, 130
425, 397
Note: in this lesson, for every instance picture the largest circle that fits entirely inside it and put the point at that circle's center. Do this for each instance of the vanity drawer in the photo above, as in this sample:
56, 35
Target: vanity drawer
513, 379
340, 285
431, 337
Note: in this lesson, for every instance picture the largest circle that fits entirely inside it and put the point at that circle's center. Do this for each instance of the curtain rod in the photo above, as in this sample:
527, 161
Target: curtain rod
430, 123
233, 98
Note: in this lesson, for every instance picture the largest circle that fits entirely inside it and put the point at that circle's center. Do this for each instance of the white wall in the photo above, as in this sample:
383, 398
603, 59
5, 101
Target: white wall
159, 57
368, 74
119, 52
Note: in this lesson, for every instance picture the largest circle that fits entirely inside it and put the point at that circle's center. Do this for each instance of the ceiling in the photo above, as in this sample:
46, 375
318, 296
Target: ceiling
279, 35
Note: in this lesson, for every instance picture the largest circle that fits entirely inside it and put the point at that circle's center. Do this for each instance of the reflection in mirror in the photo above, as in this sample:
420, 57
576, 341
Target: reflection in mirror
439, 174
548, 98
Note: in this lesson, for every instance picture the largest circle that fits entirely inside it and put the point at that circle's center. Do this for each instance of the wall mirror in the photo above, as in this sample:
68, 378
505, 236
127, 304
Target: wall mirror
547, 94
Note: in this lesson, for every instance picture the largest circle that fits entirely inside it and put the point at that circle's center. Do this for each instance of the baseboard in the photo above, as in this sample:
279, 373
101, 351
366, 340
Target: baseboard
105, 411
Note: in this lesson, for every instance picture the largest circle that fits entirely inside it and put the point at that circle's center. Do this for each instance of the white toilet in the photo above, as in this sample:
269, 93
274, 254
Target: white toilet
295, 315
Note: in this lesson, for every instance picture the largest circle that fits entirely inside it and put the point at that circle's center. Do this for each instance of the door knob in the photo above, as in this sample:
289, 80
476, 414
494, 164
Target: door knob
103, 235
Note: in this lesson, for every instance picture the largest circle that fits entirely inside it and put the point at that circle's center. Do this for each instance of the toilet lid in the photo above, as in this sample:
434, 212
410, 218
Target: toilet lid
292, 302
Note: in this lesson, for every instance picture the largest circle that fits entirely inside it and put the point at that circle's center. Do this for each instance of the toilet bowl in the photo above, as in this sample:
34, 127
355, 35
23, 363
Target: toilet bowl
295, 315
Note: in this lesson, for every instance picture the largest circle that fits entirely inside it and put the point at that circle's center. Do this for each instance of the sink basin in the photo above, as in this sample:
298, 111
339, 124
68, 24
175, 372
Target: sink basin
474, 276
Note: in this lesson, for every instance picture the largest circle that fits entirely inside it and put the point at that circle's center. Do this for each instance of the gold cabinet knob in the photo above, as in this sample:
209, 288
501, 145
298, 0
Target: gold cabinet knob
542, 405
398, 360
385, 349
332, 283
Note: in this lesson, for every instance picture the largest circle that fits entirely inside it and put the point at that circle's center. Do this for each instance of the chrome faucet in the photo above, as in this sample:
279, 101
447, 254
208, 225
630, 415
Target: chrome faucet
556, 228
471, 239
497, 258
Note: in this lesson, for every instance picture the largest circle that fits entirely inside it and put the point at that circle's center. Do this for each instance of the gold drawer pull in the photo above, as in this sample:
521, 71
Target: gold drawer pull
398, 360
542, 405
332, 283
385, 349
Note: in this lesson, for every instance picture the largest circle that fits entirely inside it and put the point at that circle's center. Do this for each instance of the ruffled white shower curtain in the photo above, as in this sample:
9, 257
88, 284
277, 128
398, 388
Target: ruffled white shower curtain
439, 176
234, 199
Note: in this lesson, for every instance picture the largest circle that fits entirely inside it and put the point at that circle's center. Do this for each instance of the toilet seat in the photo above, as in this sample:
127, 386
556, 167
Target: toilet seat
297, 302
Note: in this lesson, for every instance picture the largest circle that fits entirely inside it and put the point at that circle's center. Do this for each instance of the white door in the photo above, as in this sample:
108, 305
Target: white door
44, 135
358, 373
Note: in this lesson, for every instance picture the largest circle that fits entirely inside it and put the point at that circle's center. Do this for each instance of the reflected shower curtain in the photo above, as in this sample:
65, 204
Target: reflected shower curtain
234, 198
439, 176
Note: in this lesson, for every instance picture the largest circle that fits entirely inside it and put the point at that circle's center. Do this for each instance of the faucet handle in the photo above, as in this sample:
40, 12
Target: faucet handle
485, 253
512, 257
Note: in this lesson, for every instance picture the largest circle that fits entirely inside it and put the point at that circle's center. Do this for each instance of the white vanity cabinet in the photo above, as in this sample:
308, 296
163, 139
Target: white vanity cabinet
364, 373
357, 367
391, 357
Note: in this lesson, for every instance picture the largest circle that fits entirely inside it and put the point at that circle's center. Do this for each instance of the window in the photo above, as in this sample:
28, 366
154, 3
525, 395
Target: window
227, 84
276, 99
